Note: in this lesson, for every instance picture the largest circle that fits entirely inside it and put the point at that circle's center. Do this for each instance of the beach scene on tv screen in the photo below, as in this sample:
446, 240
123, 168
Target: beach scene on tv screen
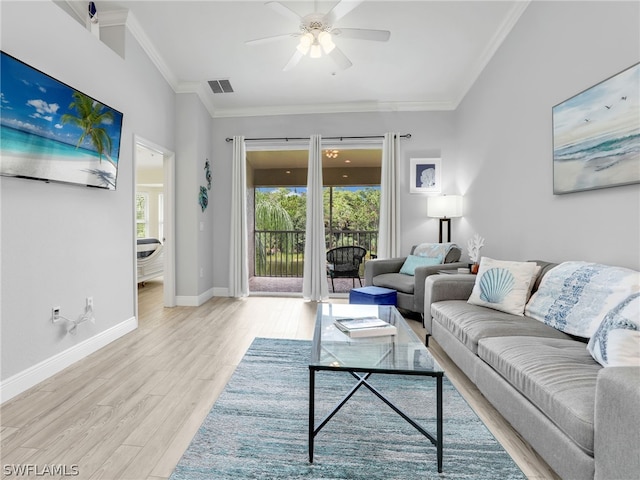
50, 131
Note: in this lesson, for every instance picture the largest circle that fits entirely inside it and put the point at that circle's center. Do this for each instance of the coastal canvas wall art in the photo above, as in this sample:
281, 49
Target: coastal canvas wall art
596, 135
425, 175
52, 132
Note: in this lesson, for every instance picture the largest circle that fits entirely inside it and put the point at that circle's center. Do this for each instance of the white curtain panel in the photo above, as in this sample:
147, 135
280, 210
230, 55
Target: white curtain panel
314, 282
238, 251
389, 230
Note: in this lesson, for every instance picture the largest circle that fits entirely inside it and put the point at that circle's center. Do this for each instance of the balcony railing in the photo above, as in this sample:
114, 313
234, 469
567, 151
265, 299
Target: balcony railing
280, 253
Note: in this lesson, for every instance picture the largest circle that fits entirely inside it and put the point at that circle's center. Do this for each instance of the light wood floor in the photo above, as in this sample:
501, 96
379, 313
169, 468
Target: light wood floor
130, 410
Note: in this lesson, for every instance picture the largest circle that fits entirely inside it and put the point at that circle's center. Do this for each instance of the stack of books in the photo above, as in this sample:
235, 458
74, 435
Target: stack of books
365, 327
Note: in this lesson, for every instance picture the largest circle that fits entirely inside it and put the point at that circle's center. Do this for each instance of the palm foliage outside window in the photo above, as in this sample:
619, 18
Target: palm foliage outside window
351, 218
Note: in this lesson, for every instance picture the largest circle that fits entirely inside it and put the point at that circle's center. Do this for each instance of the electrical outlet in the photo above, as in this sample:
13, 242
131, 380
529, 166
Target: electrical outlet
55, 314
89, 302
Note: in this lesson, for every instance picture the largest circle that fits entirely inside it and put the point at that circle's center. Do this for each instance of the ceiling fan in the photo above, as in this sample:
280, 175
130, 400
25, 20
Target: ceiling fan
316, 33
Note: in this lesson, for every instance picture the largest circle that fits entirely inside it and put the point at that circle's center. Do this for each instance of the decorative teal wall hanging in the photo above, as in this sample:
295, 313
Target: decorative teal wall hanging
207, 173
203, 199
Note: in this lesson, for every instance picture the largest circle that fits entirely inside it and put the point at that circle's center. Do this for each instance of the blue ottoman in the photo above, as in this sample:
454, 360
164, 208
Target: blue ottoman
372, 296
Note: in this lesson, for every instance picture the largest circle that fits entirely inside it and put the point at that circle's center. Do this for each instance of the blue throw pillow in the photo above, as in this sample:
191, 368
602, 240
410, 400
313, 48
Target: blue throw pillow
414, 261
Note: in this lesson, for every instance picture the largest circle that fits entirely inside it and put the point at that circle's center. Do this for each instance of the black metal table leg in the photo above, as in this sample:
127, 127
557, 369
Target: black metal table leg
362, 381
439, 434
312, 378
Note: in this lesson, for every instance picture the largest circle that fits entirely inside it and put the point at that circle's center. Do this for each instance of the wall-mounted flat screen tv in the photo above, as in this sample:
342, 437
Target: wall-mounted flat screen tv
52, 132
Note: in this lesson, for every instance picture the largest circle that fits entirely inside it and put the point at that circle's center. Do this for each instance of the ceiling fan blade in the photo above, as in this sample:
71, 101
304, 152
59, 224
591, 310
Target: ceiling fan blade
284, 11
293, 61
362, 34
340, 58
258, 41
340, 10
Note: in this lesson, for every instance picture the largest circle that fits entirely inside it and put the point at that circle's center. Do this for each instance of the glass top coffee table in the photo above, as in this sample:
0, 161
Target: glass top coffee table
400, 354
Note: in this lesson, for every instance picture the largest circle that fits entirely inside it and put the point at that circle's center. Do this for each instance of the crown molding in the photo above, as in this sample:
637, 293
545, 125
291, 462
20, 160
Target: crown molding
364, 107
202, 91
113, 18
139, 34
178, 87
496, 41
206, 97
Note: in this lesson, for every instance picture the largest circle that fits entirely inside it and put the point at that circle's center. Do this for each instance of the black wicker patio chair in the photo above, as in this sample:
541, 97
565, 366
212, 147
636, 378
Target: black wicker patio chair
344, 262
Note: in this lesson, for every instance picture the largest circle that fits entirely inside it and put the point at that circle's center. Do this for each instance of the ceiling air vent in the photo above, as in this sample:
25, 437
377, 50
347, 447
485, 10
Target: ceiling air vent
220, 86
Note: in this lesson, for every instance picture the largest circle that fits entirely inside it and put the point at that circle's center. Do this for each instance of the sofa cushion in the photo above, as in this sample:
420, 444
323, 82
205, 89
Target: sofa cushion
557, 375
504, 285
470, 323
414, 261
616, 342
396, 281
575, 296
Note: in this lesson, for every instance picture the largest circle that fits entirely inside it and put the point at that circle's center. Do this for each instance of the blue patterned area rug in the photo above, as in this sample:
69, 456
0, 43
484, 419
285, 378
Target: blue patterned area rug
258, 427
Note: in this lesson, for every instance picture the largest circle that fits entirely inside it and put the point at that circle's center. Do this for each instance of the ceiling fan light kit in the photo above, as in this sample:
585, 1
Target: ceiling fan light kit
316, 51
316, 33
306, 41
324, 39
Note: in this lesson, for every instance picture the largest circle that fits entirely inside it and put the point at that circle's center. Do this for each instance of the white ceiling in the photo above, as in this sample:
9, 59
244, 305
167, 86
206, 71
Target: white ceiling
436, 51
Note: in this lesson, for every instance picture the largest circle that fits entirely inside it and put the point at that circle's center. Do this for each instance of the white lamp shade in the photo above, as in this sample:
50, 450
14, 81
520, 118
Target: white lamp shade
445, 206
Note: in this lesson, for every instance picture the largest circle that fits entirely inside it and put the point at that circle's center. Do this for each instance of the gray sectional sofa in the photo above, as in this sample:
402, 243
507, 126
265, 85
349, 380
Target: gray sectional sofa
582, 418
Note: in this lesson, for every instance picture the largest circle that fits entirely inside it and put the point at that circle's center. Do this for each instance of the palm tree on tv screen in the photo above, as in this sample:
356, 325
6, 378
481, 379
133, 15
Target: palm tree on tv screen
90, 115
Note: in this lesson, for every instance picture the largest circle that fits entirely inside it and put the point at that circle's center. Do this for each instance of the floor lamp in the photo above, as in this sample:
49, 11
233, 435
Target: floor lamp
445, 207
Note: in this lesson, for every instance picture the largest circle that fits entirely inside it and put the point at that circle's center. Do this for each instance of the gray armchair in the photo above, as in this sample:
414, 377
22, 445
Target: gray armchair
386, 273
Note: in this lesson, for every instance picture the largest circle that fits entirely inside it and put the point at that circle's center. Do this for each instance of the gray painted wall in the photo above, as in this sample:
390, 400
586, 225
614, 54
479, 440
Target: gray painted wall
186, 218
504, 138
194, 251
62, 243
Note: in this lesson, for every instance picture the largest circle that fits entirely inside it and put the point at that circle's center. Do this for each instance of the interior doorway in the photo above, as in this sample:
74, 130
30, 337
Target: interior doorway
154, 187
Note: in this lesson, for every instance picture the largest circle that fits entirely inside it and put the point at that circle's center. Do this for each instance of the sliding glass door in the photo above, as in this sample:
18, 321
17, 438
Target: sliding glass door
277, 186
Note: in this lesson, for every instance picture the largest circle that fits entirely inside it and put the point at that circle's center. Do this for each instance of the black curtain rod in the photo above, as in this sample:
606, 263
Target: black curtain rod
286, 139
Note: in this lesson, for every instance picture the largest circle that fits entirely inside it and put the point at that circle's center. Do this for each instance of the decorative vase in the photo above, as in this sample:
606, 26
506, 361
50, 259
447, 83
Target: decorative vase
474, 268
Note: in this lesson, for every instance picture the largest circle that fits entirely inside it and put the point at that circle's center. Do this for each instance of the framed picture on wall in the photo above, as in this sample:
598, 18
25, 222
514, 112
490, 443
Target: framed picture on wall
596, 135
425, 175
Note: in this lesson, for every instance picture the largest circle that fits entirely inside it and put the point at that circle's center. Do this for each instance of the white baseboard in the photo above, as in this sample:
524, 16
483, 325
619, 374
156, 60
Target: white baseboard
26, 379
220, 292
194, 301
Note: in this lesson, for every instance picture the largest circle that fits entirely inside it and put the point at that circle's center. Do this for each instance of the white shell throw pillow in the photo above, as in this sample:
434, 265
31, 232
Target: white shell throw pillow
504, 285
